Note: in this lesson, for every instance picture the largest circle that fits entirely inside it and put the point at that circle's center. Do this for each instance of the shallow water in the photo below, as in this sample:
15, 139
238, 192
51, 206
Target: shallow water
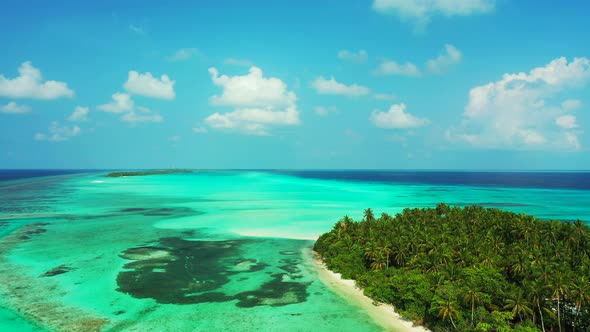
184, 252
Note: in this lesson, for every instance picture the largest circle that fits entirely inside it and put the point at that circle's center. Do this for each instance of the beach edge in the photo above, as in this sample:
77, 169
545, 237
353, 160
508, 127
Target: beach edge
383, 314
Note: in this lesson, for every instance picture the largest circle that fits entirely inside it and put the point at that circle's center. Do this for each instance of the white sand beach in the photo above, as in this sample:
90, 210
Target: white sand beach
383, 314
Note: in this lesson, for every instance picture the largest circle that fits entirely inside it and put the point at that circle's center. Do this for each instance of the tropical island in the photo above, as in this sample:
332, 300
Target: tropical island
468, 269
144, 173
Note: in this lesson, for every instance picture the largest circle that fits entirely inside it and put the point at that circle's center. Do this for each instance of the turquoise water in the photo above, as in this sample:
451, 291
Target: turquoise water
205, 251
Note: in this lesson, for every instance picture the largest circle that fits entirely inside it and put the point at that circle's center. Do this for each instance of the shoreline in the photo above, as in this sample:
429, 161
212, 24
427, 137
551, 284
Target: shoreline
383, 314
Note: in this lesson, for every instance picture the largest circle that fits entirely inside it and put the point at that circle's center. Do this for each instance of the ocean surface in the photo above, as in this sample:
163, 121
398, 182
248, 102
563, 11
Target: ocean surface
215, 250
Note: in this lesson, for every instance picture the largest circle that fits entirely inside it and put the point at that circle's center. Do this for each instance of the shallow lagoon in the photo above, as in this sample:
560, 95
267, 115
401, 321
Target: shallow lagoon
203, 251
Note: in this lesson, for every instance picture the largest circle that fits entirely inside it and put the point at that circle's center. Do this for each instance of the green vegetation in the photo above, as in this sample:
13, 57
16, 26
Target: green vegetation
143, 173
468, 269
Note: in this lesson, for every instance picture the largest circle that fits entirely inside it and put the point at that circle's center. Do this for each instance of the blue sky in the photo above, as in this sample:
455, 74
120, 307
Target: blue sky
394, 84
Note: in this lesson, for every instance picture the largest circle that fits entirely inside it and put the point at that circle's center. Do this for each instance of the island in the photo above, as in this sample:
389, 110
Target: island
148, 172
467, 269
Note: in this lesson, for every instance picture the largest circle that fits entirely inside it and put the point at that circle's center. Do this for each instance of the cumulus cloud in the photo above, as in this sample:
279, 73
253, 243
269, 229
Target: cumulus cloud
14, 108
253, 120
122, 102
238, 62
332, 87
360, 56
421, 11
259, 103
141, 114
80, 114
57, 133
571, 104
441, 63
390, 67
324, 110
29, 84
251, 90
183, 54
450, 56
150, 86
516, 112
396, 117
566, 121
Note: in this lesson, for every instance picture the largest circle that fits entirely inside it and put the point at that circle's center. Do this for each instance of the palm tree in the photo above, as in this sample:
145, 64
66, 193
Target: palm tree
519, 266
559, 286
400, 253
378, 262
348, 241
371, 251
472, 296
536, 292
448, 309
580, 291
518, 304
386, 251
369, 216
451, 272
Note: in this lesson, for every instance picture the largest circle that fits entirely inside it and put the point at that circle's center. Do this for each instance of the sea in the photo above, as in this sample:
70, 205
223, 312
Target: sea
216, 250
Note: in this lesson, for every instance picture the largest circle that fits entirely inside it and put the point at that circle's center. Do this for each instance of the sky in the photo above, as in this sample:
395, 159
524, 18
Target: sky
359, 84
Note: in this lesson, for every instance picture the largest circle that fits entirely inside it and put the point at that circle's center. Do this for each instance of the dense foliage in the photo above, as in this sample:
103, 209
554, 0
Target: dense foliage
468, 269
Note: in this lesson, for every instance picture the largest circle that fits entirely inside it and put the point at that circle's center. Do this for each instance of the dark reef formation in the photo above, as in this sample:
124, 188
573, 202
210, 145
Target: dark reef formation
181, 271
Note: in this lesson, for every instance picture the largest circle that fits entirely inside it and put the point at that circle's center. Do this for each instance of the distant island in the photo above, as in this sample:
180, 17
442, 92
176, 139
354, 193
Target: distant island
468, 269
144, 173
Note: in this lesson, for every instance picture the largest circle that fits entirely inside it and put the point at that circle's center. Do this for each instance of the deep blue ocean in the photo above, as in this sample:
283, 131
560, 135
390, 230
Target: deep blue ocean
550, 180
17, 174
579, 180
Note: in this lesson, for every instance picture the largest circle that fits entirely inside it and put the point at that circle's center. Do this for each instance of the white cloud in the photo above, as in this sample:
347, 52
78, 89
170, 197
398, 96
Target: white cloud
390, 67
175, 138
331, 87
438, 65
80, 114
183, 54
396, 117
57, 133
324, 110
571, 104
122, 102
566, 121
421, 11
238, 62
259, 103
251, 90
530, 136
141, 114
516, 112
572, 140
441, 63
200, 130
29, 84
14, 108
253, 120
384, 96
360, 57
150, 86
